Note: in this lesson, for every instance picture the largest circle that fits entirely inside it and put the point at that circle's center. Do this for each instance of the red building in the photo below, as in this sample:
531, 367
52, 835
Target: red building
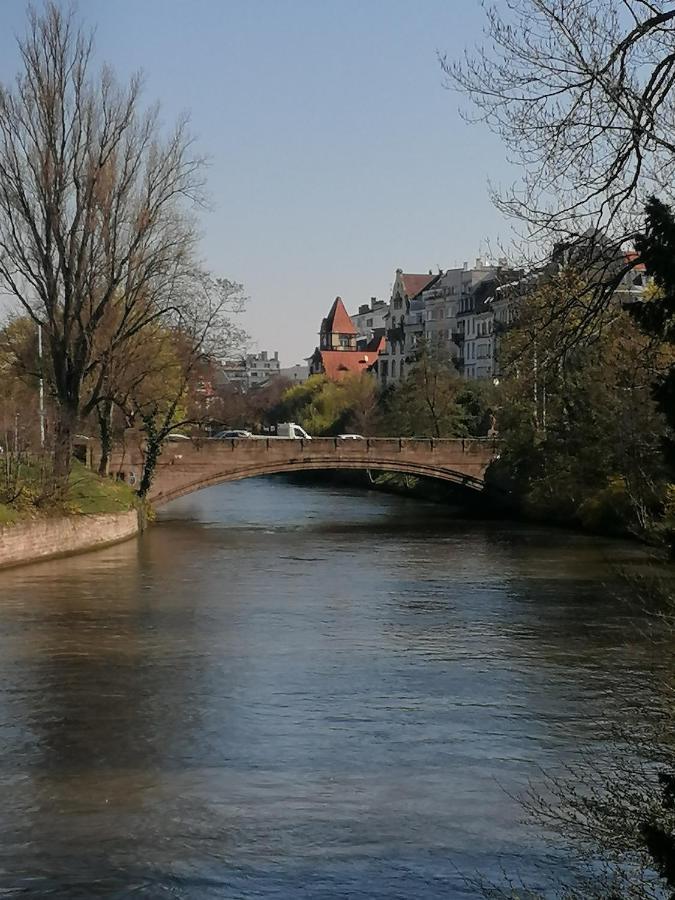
337, 354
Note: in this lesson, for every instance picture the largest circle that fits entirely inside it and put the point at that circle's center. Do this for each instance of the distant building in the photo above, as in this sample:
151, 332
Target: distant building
251, 371
370, 320
337, 354
297, 373
260, 367
402, 315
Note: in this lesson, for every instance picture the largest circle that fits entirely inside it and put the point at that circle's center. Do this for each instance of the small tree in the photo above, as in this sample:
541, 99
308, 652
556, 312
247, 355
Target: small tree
201, 330
425, 403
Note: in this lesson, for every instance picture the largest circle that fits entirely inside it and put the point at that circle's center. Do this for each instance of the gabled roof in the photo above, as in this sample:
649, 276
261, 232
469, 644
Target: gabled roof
339, 363
338, 320
413, 284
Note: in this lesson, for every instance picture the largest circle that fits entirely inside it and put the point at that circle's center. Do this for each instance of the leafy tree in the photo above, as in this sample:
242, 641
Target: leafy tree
325, 407
656, 313
581, 433
427, 402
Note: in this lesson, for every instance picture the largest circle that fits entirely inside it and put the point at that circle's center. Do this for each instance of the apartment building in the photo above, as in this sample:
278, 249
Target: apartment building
370, 320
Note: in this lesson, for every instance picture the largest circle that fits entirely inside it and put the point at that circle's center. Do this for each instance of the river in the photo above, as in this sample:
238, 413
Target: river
300, 692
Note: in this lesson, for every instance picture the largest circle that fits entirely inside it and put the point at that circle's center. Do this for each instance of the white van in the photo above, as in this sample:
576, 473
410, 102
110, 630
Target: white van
291, 430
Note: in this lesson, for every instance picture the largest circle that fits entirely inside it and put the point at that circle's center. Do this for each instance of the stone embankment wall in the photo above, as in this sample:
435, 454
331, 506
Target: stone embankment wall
47, 538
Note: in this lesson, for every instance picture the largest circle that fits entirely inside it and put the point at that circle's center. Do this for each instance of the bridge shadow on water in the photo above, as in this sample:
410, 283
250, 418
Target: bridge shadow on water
462, 501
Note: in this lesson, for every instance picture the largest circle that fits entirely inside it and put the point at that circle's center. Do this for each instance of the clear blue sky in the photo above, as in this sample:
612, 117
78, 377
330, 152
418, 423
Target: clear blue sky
336, 155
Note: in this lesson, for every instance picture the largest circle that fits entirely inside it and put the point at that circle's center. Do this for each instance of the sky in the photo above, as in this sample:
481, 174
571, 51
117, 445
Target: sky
336, 154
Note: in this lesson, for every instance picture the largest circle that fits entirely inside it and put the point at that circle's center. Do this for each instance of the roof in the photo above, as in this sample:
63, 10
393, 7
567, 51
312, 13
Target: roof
339, 363
631, 256
338, 320
413, 284
376, 345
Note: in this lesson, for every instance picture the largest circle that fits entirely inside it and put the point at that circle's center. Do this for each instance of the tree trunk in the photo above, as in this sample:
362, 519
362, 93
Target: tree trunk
104, 412
153, 448
66, 426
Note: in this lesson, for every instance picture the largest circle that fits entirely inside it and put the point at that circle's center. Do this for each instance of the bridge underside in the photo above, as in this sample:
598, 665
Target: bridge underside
160, 497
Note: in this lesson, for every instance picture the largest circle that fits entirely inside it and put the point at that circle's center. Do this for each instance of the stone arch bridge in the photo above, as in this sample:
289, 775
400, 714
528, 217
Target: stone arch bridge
187, 466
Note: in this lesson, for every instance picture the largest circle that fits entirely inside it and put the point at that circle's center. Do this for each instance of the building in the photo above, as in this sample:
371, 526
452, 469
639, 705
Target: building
252, 370
338, 354
370, 320
297, 373
403, 315
260, 367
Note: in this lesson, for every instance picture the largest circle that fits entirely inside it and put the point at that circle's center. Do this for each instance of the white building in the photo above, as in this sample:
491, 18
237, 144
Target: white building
441, 310
253, 370
403, 313
260, 367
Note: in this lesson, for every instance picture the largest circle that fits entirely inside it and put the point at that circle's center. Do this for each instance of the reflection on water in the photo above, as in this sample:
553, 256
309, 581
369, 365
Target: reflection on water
295, 692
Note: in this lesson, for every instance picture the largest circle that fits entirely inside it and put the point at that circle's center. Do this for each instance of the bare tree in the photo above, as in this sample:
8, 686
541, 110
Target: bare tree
581, 93
93, 236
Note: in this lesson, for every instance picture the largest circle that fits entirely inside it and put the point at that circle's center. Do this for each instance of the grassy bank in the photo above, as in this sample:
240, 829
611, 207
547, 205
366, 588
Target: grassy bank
87, 494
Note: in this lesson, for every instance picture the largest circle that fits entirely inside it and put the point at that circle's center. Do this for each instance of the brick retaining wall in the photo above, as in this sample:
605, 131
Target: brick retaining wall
46, 538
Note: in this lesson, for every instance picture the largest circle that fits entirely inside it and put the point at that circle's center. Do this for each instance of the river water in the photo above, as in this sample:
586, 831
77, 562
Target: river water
300, 692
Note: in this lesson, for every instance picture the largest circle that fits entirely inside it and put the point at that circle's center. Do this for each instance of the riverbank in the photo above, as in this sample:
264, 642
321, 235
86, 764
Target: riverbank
94, 512
48, 538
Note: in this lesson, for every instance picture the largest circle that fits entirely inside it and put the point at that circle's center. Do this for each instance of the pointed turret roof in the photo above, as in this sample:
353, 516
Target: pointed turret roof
338, 320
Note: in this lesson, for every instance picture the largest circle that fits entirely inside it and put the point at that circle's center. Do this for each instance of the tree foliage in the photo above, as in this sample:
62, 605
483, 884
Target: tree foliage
433, 401
325, 407
582, 436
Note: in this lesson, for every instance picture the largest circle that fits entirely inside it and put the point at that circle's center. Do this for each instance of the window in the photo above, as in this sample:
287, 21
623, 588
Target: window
369, 323
393, 368
383, 366
398, 303
344, 341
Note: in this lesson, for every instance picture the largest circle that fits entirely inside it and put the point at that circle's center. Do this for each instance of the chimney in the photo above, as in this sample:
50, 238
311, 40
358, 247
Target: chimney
263, 355
466, 267
373, 302
276, 355
479, 262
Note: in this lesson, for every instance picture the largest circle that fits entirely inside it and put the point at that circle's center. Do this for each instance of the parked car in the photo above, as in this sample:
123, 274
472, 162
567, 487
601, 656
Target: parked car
177, 436
233, 433
351, 437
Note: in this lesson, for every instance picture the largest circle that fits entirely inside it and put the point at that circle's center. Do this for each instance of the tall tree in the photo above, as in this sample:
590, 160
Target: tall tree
93, 236
655, 314
581, 94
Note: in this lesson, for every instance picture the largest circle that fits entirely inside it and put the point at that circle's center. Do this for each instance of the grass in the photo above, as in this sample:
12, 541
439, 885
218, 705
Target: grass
87, 494
8, 515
